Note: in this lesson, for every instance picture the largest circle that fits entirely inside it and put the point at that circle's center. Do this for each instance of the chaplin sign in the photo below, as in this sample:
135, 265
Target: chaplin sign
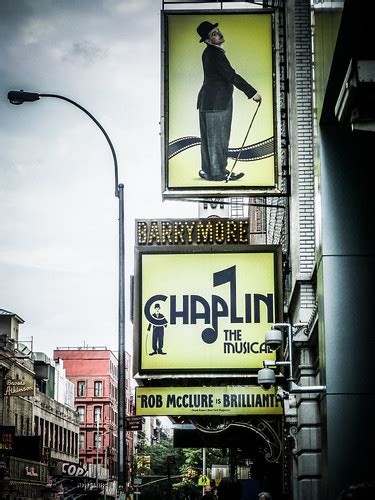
205, 310
218, 103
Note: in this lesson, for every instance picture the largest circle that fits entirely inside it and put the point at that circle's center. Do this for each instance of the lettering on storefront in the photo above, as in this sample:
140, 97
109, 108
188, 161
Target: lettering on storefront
75, 470
190, 232
192, 309
16, 387
207, 400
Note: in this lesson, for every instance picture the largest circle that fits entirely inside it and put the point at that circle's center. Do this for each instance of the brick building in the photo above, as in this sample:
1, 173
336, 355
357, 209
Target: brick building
94, 373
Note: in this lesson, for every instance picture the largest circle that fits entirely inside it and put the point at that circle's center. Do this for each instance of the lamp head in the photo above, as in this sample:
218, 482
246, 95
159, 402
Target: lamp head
273, 339
19, 97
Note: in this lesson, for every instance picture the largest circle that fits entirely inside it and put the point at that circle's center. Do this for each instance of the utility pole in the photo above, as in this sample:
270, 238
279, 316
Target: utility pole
204, 466
97, 454
107, 479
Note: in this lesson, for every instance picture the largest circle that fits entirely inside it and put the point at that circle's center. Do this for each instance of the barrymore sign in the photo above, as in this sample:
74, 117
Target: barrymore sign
242, 400
205, 309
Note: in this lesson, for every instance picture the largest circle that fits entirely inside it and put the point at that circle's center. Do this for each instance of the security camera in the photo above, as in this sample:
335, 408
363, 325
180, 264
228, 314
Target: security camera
274, 339
266, 378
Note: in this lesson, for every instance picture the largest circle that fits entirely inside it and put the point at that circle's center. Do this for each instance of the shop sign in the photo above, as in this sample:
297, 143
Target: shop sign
19, 387
74, 470
6, 439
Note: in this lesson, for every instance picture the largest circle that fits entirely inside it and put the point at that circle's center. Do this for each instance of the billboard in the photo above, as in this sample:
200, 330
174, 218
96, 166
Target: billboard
7, 434
19, 387
198, 401
232, 81
205, 309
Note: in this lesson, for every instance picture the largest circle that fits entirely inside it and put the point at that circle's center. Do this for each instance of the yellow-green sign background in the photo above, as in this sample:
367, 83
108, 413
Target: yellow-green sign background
274, 408
187, 274
248, 46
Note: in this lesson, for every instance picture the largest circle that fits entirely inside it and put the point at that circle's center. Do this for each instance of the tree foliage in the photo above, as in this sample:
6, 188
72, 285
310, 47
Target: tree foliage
152, 461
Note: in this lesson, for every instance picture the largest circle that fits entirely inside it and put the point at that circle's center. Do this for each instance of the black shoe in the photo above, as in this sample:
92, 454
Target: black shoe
224, 177
152, 353
234, 176
161, 352
219, 178
203, 175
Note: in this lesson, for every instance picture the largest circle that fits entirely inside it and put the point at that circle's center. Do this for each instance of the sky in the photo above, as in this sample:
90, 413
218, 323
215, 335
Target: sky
58, 210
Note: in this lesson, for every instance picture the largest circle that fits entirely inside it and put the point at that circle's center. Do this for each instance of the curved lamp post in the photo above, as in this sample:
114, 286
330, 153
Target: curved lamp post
19, 97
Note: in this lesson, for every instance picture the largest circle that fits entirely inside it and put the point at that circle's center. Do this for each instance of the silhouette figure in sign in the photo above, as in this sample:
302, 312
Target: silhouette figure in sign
158, 323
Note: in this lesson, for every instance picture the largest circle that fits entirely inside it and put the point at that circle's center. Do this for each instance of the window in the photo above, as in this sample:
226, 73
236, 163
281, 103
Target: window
56, 445
97, 413
36, 426
81, 440
51, 436
81, 413
81, 388
98, 388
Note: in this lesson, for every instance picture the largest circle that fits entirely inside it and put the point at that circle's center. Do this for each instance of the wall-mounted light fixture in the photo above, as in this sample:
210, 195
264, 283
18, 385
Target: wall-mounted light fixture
267, 377
355, 104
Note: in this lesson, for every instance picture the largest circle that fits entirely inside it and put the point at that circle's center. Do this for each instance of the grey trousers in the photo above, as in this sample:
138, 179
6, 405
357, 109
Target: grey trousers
215, 127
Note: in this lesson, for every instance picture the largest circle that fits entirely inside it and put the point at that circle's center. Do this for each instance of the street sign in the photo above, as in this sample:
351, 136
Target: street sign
203, 481
171, 459
137, 481
133, 423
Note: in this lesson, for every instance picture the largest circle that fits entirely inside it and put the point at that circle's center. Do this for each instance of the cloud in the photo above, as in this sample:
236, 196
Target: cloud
86, 52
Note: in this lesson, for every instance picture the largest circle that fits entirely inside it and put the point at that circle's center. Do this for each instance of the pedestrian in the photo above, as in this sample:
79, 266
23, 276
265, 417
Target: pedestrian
263, 495
229, 489
208, 495
360, 491
215, 104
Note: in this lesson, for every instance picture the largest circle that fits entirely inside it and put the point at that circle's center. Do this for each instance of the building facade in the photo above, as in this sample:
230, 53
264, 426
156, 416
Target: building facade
38, 424
94, 373
329, 261
326, 123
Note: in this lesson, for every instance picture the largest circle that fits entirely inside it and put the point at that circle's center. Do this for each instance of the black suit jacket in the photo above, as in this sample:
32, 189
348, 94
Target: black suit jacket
219, 79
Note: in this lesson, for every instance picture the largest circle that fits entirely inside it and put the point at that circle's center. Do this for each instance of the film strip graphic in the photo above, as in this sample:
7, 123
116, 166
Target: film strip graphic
257, 151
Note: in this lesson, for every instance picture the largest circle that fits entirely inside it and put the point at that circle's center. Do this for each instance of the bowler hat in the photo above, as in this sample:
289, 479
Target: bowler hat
204, 28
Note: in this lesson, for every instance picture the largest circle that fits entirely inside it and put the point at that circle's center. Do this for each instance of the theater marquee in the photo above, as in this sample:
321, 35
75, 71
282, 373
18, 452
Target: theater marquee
240, 400
204, 307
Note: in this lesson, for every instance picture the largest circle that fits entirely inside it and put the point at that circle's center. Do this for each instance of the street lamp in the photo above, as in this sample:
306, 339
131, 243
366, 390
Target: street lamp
18, 97
266, 376
99, 444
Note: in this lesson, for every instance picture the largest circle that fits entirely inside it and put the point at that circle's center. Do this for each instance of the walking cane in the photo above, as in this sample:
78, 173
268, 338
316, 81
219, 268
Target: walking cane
241, 148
